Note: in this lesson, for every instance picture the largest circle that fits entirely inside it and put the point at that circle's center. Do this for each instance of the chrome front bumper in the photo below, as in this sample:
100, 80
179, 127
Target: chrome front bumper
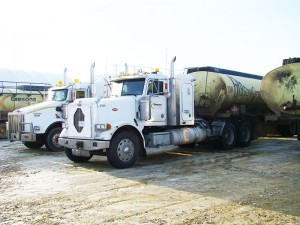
15, 128
26, 137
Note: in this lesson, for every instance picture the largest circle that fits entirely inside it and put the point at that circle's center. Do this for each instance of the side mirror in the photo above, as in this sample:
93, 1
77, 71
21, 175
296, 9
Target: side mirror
59, 109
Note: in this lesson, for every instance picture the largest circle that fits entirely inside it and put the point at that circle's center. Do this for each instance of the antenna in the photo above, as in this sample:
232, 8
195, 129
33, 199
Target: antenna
65, 75
166, 60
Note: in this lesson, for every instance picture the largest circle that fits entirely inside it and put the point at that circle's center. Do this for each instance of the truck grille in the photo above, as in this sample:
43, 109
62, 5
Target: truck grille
78, 120
15, 124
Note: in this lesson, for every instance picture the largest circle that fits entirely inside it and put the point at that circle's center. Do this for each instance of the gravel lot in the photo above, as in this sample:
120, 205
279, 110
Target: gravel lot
259, 184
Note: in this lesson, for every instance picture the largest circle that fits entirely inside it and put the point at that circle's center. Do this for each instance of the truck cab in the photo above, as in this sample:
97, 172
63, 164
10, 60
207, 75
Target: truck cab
151, 90
69, 93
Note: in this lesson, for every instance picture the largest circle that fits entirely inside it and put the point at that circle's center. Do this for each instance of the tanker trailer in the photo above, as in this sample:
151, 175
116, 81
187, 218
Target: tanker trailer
280, 89
230, 95
15, 95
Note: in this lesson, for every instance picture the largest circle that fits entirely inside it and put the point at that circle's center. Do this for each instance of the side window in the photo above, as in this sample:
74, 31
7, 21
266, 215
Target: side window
155, 87
80, 94
161, 87
150, 88
134, 87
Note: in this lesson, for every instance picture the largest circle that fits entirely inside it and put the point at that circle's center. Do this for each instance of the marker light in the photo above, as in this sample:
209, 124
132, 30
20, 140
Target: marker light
235, 109
166, 86
76, 80
59, 83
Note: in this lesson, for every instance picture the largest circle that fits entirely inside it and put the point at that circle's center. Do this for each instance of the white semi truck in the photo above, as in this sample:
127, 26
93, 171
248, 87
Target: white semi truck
153, 110
41, 124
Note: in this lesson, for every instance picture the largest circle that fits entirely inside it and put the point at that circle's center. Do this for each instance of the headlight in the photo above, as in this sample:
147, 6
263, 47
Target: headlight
100, 127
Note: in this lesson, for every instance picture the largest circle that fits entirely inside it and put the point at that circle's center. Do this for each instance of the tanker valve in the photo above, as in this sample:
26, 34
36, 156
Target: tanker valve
290, 105
286, 106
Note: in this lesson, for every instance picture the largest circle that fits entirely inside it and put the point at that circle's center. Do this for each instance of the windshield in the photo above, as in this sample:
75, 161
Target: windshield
128, 87
58, 95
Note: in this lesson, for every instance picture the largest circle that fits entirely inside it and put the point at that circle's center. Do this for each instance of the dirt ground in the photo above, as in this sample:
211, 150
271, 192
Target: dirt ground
259, 184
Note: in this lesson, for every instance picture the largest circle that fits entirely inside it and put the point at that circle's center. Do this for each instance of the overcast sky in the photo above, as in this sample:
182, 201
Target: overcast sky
251, 36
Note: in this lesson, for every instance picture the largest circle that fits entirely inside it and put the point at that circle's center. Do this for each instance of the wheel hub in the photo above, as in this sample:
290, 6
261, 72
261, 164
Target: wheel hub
125, 150
55, 140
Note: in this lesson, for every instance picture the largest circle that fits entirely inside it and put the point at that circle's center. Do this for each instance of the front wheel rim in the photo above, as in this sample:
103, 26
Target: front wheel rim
55, 140
125, 150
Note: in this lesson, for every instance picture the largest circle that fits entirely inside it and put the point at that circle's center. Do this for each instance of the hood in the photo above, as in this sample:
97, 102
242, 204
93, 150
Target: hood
39, 106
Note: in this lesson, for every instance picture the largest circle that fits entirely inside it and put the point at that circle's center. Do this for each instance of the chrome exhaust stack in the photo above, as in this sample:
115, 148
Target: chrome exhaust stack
172, 114
92, 80
65, 76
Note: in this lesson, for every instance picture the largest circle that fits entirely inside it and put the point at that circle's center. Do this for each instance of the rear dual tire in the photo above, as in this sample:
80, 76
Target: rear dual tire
288, 130
228, 138
240, 135
244, 134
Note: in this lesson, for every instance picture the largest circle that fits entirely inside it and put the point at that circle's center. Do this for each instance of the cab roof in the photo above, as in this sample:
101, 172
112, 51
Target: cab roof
143, 76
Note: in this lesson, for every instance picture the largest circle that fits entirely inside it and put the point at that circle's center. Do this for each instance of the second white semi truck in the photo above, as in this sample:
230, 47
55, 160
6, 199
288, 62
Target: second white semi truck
41, 124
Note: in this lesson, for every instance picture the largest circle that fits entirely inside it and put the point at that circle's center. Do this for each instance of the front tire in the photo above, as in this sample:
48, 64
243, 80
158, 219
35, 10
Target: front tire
75, 158
35, 145
228, 138
51, 141
124, 150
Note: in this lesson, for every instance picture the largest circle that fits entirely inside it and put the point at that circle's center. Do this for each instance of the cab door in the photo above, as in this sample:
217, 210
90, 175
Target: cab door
187, 102
158, 100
